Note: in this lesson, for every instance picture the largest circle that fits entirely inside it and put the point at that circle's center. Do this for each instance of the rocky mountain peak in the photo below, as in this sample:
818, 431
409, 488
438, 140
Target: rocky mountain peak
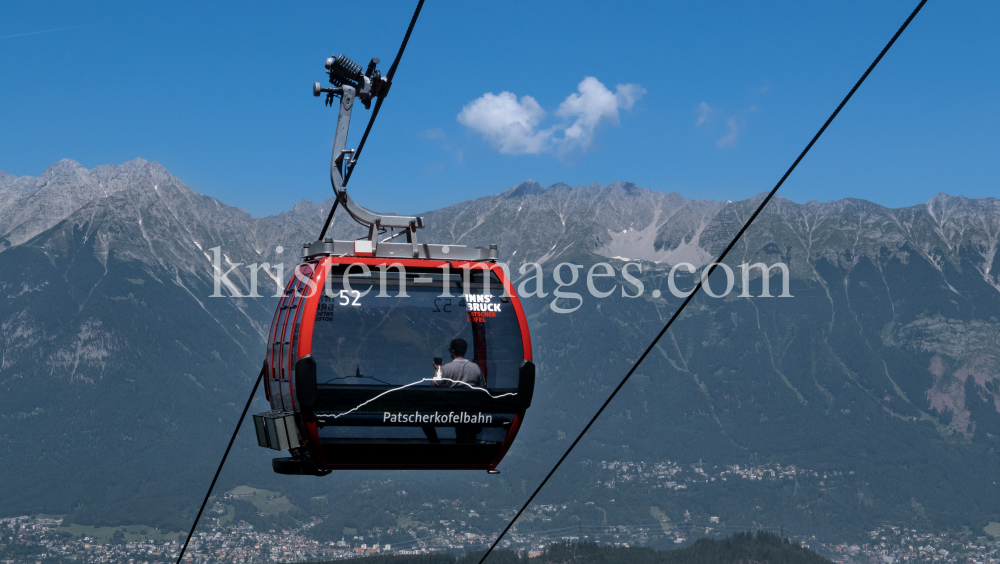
527, 188
626, 187
65, 167
309, 207
620, 220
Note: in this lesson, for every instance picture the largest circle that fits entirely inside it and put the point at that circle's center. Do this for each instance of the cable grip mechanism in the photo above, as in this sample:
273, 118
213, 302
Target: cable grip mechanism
348, 83
342, 71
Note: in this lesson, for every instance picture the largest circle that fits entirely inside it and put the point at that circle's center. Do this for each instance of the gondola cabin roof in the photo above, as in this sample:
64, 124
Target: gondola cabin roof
391, 250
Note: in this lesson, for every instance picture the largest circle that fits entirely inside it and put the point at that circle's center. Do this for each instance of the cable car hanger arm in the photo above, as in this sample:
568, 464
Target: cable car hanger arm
350, 85
341, 158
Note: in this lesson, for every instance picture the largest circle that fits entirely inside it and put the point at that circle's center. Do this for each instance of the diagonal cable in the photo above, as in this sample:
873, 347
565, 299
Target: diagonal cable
225, 455
378, 103
704, 277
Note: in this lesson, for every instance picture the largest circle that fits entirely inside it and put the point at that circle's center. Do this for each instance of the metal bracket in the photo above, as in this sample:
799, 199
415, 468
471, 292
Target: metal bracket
349, 83
339, 161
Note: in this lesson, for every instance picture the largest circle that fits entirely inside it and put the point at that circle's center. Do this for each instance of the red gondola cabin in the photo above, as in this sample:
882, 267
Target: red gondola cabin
349, 369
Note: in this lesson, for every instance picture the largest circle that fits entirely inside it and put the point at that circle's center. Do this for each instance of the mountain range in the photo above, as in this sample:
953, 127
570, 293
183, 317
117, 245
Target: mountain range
121, 378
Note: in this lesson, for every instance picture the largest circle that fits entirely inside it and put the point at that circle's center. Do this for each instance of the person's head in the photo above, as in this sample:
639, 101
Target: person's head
458, 348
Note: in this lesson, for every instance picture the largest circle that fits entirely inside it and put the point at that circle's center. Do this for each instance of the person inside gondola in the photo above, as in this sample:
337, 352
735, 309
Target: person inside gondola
448, 376
458, 370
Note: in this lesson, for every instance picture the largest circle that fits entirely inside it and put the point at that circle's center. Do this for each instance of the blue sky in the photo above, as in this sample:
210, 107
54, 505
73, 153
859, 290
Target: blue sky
717, 98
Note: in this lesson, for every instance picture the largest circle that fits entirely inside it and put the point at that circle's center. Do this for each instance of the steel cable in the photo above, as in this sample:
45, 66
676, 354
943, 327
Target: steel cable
378, 103
232, 439
711, 269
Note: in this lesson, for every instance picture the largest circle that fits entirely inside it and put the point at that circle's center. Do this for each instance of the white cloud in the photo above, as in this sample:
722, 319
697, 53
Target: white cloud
728, 139
507, 124
435, 133
593, 104
735, 124
628, 94
511, 126
704, 111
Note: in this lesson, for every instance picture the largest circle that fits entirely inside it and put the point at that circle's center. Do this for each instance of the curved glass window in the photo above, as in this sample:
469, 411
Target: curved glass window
385, 328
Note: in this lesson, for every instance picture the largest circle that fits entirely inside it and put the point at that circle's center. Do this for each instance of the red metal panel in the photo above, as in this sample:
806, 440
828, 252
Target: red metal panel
522, 320
299, 298
274, 342
307, 316
310, 305
279, 359
505, 446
